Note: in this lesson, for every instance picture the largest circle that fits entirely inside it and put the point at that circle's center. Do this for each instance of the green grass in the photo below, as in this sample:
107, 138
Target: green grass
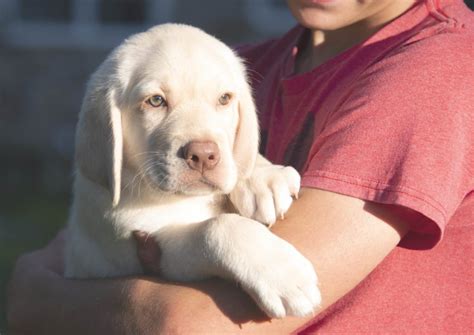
26, 223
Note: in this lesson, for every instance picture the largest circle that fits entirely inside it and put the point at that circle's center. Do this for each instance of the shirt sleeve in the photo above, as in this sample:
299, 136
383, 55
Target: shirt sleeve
404, 136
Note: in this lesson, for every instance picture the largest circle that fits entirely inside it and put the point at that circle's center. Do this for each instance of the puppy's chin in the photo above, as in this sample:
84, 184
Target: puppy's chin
198, 185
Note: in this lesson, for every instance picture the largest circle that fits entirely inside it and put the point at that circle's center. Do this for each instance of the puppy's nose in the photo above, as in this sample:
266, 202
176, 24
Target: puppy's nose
201, 156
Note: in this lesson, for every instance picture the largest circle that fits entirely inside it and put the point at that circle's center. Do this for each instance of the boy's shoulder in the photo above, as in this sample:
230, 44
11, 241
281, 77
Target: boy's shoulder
453, 28
448, 42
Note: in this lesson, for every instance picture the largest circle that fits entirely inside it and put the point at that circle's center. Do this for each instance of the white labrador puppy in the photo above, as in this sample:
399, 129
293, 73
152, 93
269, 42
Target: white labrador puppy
167, 130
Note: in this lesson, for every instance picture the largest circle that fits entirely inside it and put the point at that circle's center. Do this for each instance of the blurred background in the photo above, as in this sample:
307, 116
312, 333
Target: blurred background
48, 49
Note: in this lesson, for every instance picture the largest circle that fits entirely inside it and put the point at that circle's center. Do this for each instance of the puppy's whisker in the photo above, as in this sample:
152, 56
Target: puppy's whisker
134, 183
155, 153
130, 184
146, 167
149, 167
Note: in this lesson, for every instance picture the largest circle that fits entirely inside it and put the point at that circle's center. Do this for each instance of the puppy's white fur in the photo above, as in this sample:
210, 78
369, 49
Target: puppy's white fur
130, 175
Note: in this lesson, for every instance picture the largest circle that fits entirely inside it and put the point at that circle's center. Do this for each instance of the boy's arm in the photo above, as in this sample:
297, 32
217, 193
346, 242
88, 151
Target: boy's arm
344, 237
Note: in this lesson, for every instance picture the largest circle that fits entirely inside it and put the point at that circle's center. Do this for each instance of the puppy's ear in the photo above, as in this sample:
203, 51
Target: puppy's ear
247, 137
99, 139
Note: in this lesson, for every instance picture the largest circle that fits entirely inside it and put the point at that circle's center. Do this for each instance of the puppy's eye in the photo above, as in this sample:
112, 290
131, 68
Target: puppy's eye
225, 98
157, 101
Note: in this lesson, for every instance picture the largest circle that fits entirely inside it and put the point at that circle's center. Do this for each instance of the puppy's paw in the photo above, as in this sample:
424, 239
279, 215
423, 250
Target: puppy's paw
273, 272
287, 285
267, 194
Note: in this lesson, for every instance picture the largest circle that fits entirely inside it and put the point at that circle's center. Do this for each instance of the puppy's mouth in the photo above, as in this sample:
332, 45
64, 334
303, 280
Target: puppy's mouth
200, 187
184, 183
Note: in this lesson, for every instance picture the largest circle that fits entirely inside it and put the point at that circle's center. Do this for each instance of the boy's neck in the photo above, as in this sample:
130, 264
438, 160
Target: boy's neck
321, 46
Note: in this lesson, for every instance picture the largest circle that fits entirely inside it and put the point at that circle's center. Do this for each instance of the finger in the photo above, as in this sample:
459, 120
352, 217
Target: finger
148, 252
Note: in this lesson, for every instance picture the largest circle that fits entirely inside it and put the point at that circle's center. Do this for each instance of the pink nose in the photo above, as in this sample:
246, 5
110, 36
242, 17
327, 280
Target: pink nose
201, 156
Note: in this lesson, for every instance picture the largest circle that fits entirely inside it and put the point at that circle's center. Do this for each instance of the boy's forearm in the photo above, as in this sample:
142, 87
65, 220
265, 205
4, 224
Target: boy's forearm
49, 304
45, 303
331, 230
146, 306
90, 307
211, 306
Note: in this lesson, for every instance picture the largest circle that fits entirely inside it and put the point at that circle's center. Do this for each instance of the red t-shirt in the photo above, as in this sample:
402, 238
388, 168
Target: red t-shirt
391, 121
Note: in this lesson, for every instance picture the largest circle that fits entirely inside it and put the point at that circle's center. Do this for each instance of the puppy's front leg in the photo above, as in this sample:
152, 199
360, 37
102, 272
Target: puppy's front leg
280, 280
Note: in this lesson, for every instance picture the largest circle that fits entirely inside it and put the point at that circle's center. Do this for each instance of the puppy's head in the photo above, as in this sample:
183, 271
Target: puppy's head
173, 106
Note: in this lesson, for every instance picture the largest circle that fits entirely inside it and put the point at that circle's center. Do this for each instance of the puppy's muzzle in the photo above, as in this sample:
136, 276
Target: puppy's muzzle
201, 156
